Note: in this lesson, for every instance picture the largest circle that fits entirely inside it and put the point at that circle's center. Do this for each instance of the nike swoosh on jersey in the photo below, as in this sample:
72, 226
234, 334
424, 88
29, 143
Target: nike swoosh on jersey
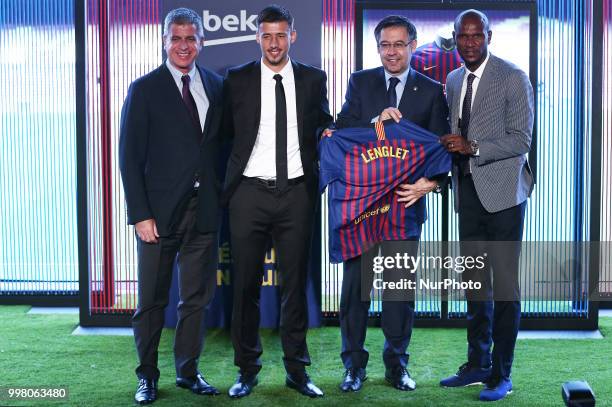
429, 68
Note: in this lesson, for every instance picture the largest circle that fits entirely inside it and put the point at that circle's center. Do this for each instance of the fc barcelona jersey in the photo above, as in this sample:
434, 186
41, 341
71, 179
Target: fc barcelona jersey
434, 62
361, 168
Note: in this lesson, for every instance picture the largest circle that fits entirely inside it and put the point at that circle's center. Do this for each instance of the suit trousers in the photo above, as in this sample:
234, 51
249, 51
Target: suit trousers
259, 214
197, 266
494, 311
397, 316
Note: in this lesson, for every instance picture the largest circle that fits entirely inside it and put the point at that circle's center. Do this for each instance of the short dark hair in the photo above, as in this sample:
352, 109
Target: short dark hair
395, 21
274, 14
181, 16
472, 13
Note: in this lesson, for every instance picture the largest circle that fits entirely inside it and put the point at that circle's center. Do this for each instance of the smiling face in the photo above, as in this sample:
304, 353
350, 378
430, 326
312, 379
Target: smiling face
472, 41
275, 39
183, 45
395, 49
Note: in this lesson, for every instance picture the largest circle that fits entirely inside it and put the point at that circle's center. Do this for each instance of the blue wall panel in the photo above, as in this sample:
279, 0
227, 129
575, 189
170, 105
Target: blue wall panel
38, 241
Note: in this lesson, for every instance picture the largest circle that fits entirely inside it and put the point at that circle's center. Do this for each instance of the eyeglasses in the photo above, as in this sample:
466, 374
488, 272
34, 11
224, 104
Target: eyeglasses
397, 46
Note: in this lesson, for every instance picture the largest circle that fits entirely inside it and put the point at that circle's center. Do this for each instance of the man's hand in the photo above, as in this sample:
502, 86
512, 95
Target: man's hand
410, 193
390, 113
327, 132
455, 143
147, 231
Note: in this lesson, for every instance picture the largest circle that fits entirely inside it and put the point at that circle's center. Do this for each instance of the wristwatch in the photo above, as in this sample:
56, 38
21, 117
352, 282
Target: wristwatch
474, 147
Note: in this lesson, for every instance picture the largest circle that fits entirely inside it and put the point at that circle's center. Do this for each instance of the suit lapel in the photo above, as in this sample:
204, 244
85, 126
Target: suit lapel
211, 102
170, 89
456, 102
409, 88
255, 94
488, 77
299, 98
379, 91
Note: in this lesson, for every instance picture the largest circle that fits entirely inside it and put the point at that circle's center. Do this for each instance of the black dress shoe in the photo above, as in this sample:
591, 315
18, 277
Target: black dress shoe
243, 386
400, 379
353, 379
146, 393
197, 384
303, 384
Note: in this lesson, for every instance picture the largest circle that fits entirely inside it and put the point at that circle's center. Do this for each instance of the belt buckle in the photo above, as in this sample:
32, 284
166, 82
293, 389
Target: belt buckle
270, 183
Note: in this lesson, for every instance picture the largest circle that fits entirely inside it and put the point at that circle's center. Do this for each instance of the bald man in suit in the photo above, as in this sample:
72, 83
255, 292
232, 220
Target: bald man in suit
492, 113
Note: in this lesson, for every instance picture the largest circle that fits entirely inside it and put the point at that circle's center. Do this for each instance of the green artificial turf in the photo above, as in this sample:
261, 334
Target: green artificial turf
39, 350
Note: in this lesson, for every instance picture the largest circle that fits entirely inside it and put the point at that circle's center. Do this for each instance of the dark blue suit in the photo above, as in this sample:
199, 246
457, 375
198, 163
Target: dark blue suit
424, 104
161, 151
161, 155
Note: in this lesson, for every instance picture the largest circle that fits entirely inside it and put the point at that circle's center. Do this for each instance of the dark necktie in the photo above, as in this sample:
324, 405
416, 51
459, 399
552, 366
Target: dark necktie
190, 102
466, 110
281, 133
464, 124
391, 95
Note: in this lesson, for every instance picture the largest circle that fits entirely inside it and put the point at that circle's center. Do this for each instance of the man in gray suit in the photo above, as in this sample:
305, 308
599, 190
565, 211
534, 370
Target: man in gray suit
491, 111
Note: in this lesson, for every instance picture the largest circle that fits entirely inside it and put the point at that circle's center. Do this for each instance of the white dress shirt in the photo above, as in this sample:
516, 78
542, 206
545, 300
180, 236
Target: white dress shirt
478, 73
195, 86
262, 163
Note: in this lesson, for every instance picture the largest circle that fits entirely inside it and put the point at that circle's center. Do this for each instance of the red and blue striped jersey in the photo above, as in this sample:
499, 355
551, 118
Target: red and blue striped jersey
361, 168
434, 62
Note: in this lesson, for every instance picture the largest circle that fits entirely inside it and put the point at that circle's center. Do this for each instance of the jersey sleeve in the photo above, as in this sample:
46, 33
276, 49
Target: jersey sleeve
329, 158
438, 160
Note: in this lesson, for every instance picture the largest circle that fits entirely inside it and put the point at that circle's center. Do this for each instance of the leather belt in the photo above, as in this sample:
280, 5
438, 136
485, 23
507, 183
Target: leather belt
271, 183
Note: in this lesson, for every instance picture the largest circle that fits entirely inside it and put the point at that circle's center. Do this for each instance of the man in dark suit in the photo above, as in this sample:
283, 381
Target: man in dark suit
170, 126
391, 91
491, 103
277, 108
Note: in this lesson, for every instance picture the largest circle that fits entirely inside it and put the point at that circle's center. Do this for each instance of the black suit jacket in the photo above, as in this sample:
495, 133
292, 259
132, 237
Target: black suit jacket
423, 101
242, 96
161, 151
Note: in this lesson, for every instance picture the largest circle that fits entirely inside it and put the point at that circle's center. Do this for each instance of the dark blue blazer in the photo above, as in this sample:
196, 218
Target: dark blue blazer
161, 152
423, 101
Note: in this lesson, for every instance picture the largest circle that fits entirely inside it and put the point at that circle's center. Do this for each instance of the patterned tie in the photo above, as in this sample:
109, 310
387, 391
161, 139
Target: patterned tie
391, 95
190, 102
466, 110
281, 134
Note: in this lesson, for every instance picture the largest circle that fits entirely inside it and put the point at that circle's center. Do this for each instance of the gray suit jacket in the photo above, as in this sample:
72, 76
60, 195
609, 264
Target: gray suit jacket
501, 121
